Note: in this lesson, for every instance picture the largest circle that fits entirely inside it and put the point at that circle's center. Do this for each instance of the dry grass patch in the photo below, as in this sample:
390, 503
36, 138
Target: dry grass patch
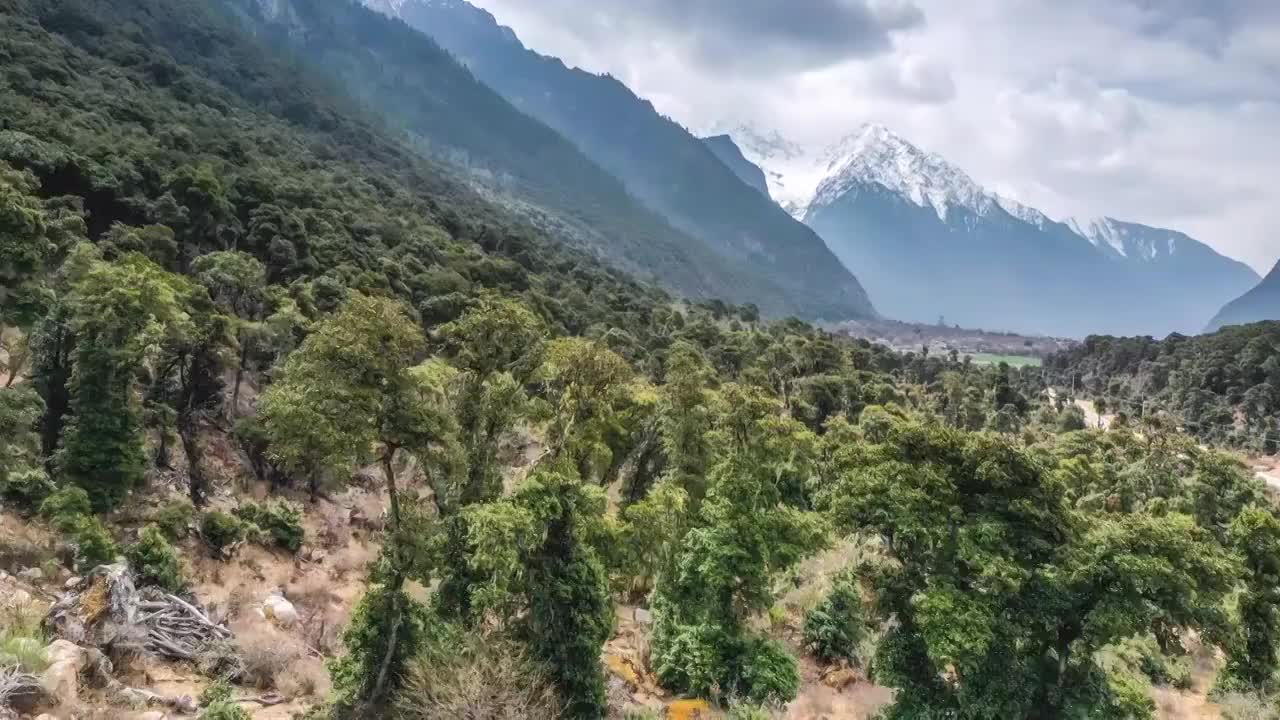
480, 679
267, 654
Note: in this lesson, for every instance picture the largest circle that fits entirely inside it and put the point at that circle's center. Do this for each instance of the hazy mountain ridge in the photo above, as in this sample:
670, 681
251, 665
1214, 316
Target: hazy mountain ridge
1258, 304
731, 155
658, 160
450, 116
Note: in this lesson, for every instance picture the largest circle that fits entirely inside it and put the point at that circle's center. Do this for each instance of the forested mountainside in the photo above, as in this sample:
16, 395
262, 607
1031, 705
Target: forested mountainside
1223, 387
1259, 304
659, 161
290, 422
452, 118
930, 242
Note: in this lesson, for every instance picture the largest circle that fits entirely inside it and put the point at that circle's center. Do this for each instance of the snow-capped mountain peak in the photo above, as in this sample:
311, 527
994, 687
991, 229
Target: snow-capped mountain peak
877, 155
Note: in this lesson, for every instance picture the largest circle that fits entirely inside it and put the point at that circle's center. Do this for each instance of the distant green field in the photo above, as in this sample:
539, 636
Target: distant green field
1013, 360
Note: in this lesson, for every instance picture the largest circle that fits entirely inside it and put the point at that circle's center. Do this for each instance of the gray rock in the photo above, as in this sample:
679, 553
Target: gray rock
34, 575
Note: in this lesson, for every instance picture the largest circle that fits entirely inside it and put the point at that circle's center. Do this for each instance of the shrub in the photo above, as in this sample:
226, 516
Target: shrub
478, 677
365, 642
266, 655
280, 521
834, 629
175, 518
747, 712
1247, 706
769, 674
65, 507
25, 489
1144, 656
220, 530
94, 546
22, 640
224, 710
219, 691
154, 561
702, 661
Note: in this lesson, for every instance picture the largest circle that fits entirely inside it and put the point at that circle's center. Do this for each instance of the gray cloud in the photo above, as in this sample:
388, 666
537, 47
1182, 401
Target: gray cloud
915, 78
752, 35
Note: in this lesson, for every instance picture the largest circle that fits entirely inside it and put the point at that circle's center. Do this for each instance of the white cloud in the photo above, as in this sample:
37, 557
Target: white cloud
1156, 111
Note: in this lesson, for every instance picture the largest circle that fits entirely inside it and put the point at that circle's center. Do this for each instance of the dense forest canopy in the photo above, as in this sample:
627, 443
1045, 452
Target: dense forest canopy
205, 244
1223, 387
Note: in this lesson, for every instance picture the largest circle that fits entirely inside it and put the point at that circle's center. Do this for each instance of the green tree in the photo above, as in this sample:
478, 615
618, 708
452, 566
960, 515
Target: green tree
496, 347
1001, 592
685, 418
350, 391
1252, 655
585, 385
120, 311
747, 530
238, 285
25, 247
539, 554
23, 481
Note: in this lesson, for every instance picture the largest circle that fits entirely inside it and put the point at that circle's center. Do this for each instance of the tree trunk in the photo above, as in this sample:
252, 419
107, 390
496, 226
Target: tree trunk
397, 577
187, 429
162, 450
235, 391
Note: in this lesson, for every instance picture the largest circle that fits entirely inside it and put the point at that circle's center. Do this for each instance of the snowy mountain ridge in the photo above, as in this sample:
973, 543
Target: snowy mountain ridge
875, 154
1130, 240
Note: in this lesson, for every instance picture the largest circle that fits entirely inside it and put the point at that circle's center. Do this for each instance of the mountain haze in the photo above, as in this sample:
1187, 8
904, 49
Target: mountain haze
930, 242
659, 161
451, 117
1260, 303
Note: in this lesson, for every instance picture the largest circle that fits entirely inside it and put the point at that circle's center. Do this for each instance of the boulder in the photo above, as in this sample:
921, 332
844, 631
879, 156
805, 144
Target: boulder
15, 599
61, 680
644, 617
279, 610
32, 575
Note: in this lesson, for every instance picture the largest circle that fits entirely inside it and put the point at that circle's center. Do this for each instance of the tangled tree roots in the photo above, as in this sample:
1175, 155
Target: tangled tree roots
18, 688
109, 612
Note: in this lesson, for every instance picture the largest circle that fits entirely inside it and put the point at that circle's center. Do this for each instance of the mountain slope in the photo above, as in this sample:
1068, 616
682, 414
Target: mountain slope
113, 105
660, 162
931, 242
451, 117
731, 155
1260, 303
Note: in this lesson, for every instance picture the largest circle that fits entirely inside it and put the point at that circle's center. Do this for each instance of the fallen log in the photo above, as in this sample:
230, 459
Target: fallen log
108, 611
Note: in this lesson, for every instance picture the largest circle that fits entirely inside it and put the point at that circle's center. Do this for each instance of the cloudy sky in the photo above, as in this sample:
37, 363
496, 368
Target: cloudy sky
1165, 112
